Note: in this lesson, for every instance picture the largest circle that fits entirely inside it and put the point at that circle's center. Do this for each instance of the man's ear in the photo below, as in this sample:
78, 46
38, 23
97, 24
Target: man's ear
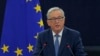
48, 22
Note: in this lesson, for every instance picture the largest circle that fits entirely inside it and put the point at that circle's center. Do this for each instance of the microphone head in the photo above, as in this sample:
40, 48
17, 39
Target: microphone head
44, 44
68, 46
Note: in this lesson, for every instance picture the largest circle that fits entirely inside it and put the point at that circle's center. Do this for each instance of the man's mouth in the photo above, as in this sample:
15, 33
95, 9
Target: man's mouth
57, 25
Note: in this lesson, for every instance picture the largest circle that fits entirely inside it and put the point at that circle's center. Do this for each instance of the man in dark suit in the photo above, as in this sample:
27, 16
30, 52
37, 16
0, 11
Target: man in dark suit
58, 40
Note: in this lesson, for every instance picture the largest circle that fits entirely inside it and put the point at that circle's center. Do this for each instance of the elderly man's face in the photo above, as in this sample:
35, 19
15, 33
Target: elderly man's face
56, 20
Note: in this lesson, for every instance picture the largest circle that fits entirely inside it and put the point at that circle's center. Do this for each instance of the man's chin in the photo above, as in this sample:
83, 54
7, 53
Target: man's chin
57, 29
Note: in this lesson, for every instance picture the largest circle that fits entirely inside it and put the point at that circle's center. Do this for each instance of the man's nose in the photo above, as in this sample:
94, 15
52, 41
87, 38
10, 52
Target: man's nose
56, 20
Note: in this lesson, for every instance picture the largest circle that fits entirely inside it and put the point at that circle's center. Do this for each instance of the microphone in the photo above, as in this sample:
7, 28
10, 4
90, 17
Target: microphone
44, 45
68, 46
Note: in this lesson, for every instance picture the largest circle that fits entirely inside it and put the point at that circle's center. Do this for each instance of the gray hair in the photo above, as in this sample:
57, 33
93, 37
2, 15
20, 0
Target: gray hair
54, 9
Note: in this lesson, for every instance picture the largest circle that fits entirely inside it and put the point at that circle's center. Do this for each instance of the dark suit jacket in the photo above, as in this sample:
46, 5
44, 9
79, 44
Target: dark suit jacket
70, 43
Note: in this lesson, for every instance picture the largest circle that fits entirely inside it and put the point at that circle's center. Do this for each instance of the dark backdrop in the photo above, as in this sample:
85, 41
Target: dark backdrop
2, 9
82, 15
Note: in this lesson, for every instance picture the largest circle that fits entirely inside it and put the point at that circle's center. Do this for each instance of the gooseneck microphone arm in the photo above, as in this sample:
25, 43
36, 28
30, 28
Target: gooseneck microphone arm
68, 46
44, 45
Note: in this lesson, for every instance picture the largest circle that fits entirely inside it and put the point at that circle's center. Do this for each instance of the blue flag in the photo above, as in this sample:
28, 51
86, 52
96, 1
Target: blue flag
22, 23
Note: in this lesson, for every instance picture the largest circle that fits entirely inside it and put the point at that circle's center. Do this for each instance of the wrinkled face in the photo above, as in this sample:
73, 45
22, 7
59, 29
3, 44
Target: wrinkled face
56, 21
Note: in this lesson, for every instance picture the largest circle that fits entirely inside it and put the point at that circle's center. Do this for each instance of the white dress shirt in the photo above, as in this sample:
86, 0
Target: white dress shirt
60, 36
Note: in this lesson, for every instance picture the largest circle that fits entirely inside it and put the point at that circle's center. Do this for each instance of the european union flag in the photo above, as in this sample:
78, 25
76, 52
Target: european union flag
22, 22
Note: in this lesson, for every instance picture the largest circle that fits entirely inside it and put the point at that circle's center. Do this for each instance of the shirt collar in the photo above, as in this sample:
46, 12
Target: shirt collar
60, 33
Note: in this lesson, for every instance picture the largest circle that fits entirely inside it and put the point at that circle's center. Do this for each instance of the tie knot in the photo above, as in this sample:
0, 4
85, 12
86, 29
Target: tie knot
57, 35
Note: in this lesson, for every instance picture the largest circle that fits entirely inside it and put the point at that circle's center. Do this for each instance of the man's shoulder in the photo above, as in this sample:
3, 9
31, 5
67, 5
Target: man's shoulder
71, 30
72, 33
45, 31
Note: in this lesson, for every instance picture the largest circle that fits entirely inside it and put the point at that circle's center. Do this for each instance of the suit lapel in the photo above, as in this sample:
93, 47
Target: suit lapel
51, 43
63, 41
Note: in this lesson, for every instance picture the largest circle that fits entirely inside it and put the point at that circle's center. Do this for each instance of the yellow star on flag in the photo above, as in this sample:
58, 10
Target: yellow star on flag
30, 48
28, 0
37, 8
18, 52
5, 48
36, 36
41, 23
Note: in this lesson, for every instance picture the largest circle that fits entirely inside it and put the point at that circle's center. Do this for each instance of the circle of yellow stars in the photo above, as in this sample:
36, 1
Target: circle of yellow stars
38, 9
30, 47
18, 51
